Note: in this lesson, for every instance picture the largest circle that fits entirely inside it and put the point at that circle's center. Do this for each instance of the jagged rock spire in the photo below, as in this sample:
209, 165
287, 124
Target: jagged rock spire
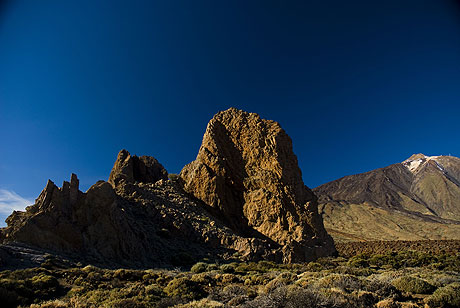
131, 168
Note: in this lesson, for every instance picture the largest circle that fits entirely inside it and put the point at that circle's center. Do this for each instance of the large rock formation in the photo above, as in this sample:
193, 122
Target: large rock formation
253, 205
246, 170
413, 200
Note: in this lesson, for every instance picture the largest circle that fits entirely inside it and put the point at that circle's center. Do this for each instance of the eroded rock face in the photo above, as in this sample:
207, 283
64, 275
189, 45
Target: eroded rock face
131, 168
247, 171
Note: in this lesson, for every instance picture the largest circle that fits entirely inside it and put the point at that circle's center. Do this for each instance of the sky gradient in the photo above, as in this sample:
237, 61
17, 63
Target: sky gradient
357, 85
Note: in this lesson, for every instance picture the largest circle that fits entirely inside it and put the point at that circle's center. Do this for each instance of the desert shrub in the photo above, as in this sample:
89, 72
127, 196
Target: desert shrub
439, 278
202, 279
228, 268
283, 279
346, 283
267, 265
364, 298
203, 303
249, 267
413, 285
387, 303
228, 293
256, 279
184, 288
149, 276
448, 296
314, 267
128, 274
90, 268
356, 271
14, 291
44, 285
199, 267
229, 278
381, 288
379, 259
358, 261
291, 297
169, 302
212, 267
51, 304
154, 290
125, 303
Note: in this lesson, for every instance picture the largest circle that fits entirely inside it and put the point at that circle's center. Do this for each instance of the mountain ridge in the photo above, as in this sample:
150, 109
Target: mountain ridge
420, 190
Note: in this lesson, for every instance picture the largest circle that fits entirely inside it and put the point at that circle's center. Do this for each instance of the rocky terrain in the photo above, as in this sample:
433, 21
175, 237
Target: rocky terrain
243, 197
413, 200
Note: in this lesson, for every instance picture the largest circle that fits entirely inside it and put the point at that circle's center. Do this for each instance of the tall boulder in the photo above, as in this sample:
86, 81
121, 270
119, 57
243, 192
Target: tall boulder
248, 173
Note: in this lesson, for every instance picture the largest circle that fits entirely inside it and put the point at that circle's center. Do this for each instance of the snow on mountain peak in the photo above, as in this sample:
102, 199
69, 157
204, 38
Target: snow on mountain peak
416, 160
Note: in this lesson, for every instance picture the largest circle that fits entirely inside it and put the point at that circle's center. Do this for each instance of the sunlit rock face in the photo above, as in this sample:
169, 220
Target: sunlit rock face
247, 171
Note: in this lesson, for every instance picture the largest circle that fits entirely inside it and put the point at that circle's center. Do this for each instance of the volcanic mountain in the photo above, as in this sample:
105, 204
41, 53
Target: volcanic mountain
416, 199
243, 197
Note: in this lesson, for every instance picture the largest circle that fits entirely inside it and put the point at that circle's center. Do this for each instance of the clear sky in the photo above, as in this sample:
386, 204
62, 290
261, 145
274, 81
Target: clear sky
356, 84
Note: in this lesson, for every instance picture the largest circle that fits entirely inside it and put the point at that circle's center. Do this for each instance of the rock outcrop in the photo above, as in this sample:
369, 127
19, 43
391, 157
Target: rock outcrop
246, 170
131, 168
135, 225
249, 202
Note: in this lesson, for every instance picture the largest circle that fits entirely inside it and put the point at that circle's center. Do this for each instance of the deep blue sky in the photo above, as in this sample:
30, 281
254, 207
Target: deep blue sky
356, 84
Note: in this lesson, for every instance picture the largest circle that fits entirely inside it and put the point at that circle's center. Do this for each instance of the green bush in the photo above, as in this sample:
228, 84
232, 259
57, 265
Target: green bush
228, 268
184, 288
448, 296
212, 267
199, 267
346, 283
358, 261
413, 285
314, 267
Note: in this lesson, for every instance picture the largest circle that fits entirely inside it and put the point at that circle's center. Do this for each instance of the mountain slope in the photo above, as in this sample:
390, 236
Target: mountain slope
416, 199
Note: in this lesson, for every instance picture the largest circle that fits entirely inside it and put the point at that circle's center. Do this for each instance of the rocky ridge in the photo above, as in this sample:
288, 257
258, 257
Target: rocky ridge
413, 200
139, 218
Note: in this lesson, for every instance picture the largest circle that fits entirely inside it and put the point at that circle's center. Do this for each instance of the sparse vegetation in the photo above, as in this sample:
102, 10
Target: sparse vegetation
405, 279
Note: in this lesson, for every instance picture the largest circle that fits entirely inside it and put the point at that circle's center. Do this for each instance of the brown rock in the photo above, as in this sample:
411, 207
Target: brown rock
131, 168
247, 171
